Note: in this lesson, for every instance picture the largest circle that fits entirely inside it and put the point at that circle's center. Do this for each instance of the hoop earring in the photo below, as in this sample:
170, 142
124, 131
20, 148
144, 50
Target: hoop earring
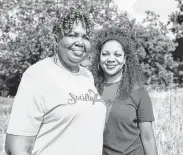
55, 56
98, 67
56, 38
124, 68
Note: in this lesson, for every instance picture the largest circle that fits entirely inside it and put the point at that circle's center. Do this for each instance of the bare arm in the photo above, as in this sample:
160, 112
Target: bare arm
148, 139
19, 145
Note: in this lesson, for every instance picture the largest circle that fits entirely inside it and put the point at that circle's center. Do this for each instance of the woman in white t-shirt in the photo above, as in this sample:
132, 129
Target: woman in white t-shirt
57, 109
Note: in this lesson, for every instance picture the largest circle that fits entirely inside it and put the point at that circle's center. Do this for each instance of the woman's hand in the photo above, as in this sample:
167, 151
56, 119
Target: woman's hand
19, 145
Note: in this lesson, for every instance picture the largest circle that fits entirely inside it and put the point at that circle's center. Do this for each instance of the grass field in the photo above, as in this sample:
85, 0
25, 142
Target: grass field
5, 109
168, 125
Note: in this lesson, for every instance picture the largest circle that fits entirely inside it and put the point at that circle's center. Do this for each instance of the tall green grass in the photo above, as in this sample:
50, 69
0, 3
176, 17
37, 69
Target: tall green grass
5, 109
168, 125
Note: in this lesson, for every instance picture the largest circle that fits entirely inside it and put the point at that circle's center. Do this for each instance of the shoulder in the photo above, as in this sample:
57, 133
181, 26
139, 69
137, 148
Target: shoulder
137, 93
86, 72
138, 90
38, 68
34, 76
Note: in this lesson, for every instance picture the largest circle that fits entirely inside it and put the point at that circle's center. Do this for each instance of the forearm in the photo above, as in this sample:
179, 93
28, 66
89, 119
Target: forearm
19, 145
18, 153
149, 146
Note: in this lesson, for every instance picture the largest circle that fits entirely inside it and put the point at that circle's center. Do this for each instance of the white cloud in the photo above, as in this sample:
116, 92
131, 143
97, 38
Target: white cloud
125, 5
137, 8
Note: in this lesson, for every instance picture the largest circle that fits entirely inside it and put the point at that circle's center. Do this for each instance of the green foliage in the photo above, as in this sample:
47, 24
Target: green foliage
154, 48
176, 19
26, 37
176, 22
26, 30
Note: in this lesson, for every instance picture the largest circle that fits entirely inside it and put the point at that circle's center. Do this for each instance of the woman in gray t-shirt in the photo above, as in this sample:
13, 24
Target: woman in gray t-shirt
119, 80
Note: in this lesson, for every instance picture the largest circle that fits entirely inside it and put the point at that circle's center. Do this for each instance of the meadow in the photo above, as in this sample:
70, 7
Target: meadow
5, 110
168, 125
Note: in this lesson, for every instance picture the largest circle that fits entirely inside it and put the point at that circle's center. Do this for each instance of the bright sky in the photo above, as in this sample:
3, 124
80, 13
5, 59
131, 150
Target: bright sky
137, 8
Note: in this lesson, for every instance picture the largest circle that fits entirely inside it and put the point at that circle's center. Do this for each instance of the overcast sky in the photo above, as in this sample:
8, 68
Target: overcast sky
137, 8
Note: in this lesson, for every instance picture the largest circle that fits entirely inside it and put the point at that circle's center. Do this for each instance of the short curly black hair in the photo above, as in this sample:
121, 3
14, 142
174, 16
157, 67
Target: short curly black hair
66, 20
132, 71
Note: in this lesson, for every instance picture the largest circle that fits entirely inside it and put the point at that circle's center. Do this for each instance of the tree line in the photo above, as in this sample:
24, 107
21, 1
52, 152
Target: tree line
26, 37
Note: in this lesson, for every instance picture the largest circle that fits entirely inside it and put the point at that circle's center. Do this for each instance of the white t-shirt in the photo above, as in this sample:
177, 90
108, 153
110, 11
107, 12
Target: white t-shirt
62, 108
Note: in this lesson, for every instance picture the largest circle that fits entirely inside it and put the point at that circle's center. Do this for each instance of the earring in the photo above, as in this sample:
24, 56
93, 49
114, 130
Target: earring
56, 38
124, 68
55, 57
98, 67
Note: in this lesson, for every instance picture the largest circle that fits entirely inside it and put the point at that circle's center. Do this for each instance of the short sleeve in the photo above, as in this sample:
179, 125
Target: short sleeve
27, 110
90, 75
145, 109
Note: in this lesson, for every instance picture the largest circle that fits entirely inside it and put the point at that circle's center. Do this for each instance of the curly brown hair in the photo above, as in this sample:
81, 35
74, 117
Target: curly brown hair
66, 20
132, 71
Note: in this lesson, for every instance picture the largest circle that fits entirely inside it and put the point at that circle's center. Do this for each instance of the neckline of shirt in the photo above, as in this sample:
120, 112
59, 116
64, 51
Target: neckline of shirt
80, 72
112, 83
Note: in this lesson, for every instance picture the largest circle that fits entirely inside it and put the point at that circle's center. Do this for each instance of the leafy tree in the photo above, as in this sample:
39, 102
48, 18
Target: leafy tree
26, 37
26, 30
155, 48
176, 21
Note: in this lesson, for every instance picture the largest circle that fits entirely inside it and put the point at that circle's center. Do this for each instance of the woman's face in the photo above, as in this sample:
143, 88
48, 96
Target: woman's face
74, 47
112, 58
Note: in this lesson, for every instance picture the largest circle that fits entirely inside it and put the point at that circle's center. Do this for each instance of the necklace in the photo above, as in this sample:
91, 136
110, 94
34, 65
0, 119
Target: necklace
58, 61
111, 83
115, 81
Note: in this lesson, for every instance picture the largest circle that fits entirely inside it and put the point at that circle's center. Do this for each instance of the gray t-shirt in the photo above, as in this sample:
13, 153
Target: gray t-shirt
122, 135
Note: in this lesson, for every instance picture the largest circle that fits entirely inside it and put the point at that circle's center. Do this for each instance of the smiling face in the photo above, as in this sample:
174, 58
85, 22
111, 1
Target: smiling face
112, 58
74, 47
